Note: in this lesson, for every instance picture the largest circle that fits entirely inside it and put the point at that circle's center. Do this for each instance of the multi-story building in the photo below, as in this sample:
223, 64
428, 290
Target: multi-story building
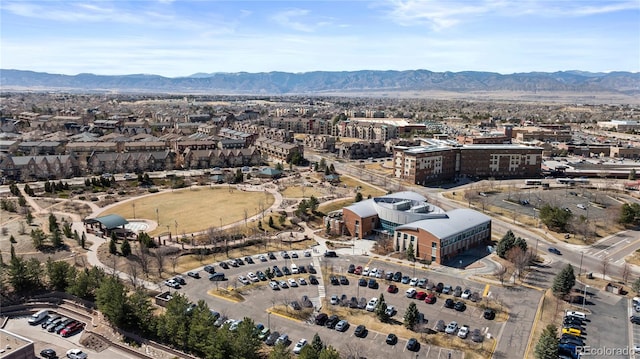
442, 162
620, 125
276, 150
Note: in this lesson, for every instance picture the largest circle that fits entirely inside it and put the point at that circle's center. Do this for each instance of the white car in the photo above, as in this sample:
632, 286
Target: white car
463, 332
451, 328
292, 282
379, 273
274, 285
365, 271
302, 281
335, 300
410, 293
253, 277
76, 354
391, 311
466, 294
413, 282
172, 283
299, 345
242, 279
373, 272
262, 258
371, 306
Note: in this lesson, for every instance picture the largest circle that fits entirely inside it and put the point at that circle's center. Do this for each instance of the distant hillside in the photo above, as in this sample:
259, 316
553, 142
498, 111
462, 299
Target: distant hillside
277, 83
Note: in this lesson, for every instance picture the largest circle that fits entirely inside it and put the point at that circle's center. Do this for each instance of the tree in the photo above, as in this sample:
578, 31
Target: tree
411, 256
505, 244
636, 285
411, 316
53, 223
113, 249
59, 274
519, 258
271, 224
316, 343
632, 174
83, 240
332, 169
381, 309
329, 353
125, 248
56, 238
604, 265
563, 282
140, 313
24, 274
12, 252
29, 217
280, 351
111, 298
358, 197
201, 328
547, 346
38, 237
629, 213
245, 343
555, 218
173, 326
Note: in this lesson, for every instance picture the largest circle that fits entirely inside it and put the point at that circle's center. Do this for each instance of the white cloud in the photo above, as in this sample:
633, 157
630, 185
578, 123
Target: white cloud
296, 19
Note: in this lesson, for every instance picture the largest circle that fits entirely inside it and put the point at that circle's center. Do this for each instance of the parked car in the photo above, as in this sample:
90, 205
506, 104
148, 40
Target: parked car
283, 339
334, 280
252, 277
180, 280
463, 332
262, 258
332, 321
292, 283
321, 318
634, 319
449, 303
242, 279
413, 345
72, 329
302, 281
272, 256
361, 331
477, 336
460, 306
312, 269
264, 333
342, 326
62, 325
53, 325
51, 319
286, 270
405, 279
489, 314
365, 271
371, 306
307, 253
391, 339
220, 321
422, 283
373, 284
362, 282
466, 294
391, 310
271, 339
439, 287
335, 300
224, 265
413, 282
283, 284
457, 292
274, 285
388, 276
352, 268
430, 298
294, 255
261, 275
410, 293
358, 270
330, 254
76, 354
299, 345
195, 275
446, 289
392, 288
48, 353
397, 276
344, 280
249, 260
421, 295
313, 280
38, 317
451, 328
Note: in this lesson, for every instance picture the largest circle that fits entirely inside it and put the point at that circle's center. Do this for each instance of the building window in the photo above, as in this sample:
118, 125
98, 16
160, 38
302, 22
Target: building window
433, 258
434, 245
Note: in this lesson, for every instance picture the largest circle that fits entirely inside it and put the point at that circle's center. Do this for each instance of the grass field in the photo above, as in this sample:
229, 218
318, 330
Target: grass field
300, 191
365, 188
194, 209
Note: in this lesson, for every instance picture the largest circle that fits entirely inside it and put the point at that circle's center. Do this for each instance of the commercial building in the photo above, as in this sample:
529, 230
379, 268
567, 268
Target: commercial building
407, 217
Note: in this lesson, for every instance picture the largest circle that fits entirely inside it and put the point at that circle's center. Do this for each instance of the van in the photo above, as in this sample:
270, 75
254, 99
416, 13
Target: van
294, 268
217, 276
38, 317
330, 254
572, 331
580, 315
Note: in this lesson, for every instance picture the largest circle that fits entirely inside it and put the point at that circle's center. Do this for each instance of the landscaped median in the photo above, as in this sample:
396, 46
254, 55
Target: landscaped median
229, 294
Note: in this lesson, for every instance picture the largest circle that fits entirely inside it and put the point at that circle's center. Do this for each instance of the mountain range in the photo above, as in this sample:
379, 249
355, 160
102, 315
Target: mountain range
324, 82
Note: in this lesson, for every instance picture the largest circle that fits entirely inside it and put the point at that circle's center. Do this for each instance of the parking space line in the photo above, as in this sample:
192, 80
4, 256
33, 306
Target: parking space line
486, 290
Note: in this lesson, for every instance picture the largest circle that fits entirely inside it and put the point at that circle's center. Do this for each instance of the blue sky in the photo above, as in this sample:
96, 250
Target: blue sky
179, 38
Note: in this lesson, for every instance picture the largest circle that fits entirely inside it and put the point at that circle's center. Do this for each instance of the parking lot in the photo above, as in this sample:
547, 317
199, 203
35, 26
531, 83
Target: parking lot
259, 297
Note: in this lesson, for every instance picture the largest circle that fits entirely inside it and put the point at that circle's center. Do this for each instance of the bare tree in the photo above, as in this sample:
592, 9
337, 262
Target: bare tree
471, 195
174, 262
500, 273
519, 258
604, 264
625, 271
134, 273
142, 253
159, 255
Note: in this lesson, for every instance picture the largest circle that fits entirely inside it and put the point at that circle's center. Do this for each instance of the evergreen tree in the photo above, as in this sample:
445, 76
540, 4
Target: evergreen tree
38, 237
13, 252
505, 244
271, 224
563, 281
201, 329
111, 297
632, 174
141, 316
12, 239
280, 351
113, 249
411, 256
76, 236
332, 169
547, 346
66, 229
358, 197
83, 240
329, 353
29, 217
520, 242
316, 343
24, 275
381, 309
125, 248
411, 316
59, 274
173, 326
56, 239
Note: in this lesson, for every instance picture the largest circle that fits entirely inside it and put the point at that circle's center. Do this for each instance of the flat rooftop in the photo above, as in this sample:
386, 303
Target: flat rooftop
10, 343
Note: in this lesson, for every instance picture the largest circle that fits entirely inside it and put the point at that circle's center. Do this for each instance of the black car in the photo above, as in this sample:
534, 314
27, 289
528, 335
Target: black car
48, 353
271, 339
51, 319
344, 280
352, 268
249, 260
334, 280
413, 345
302, 269
361, 331
439, 287
272, 257
313, 280
332, 321
397, 276
555, 251
362, 282
286, 270
194, 274
634, 319
476, 336
392, 339
460, 306
449, 303
224, 265
388, 276
312, 270
353, 303
489, 314
239, 261
261, 275
321, 318
570, 339
295, 305
209, 269
440, 326
330, 254
373, 284
572, 322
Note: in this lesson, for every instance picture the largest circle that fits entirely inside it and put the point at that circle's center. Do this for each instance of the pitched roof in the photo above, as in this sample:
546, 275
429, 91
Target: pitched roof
109, 221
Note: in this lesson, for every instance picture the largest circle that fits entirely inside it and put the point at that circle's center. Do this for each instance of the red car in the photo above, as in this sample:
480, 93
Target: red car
358, 270
430, 299
421, 295
72, 329
392, 289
